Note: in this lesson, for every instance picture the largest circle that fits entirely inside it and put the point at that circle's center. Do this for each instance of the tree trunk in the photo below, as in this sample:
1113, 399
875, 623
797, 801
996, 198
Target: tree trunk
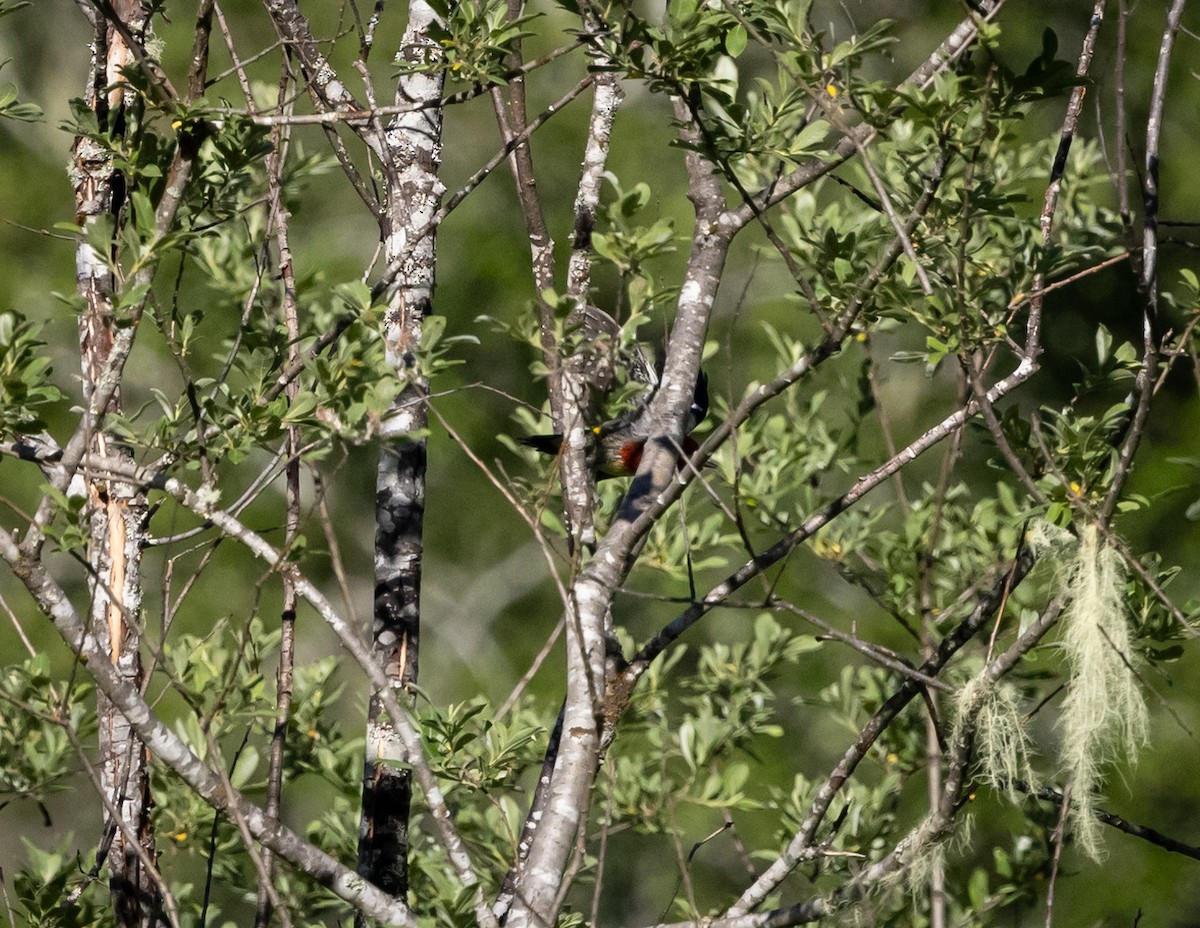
117, 515
413, 193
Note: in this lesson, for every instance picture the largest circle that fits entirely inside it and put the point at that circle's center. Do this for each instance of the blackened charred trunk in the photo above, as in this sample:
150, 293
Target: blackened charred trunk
411, 159
396, 632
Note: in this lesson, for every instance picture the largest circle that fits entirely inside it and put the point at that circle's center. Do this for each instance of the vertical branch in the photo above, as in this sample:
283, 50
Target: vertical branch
409, 156
513, 117
1033, 328
412, 196
99, 191
567, 388
578, 377
606, 98
714, 229
287, 639
117, 514
539, 888
1144, 384
1122, 179
118, 518
117, 511
170, 748
572, 382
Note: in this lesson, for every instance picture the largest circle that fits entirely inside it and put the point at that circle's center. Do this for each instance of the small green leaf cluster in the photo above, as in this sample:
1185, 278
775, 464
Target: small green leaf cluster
1073, 450
475, 42
692, 742
10, 106
867, 811
1011, 883
221, 677
697, 51
36, 755
68, 528
25, 371
350, 386
979, 242
220, 673
482, 764
779, 461
43, 884
629, 246
228, 173
1046, 75
473, 750
914, 566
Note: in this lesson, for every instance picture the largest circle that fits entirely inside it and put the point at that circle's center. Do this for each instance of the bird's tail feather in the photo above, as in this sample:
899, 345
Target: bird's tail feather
546, 444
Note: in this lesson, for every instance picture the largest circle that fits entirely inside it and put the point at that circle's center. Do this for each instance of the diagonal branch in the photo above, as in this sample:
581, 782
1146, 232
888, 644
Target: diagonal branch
830, 345
719, 593
166, 745
802, 845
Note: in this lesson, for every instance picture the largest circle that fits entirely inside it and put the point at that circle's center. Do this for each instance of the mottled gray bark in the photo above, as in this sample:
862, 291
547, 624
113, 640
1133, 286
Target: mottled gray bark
117, 514
412, 196
538, 890
577, 375
408, 153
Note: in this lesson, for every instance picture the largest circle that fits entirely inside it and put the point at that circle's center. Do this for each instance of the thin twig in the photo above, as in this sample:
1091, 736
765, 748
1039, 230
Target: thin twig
875, 652
1144, 383
803, 844
279, 217
1059, 836
1157, 838
509, 146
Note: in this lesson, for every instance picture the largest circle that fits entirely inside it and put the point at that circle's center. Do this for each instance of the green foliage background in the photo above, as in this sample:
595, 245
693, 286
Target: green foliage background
769, 708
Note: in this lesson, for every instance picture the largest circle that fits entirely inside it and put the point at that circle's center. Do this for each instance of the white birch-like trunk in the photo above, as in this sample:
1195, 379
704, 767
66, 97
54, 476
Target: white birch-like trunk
413, 195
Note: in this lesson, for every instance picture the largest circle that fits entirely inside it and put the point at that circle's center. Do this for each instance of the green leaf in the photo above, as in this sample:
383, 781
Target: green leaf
977, 889
300, 407
1049, 45
245, 768
735, 41
810, 137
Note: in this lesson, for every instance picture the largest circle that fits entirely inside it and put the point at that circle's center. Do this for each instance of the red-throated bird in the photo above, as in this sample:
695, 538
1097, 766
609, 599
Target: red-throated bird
617, 445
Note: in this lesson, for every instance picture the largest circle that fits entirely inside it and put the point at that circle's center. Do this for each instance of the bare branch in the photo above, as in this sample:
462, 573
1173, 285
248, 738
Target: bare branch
267, 900
1157, 838
1144, 384
479, 176
1033, 328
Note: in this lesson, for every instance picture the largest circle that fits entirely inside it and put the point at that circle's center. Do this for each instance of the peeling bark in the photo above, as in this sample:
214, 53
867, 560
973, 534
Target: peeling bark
117, 514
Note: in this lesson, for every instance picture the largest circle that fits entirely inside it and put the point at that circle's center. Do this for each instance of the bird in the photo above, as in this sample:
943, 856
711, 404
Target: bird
616, 446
